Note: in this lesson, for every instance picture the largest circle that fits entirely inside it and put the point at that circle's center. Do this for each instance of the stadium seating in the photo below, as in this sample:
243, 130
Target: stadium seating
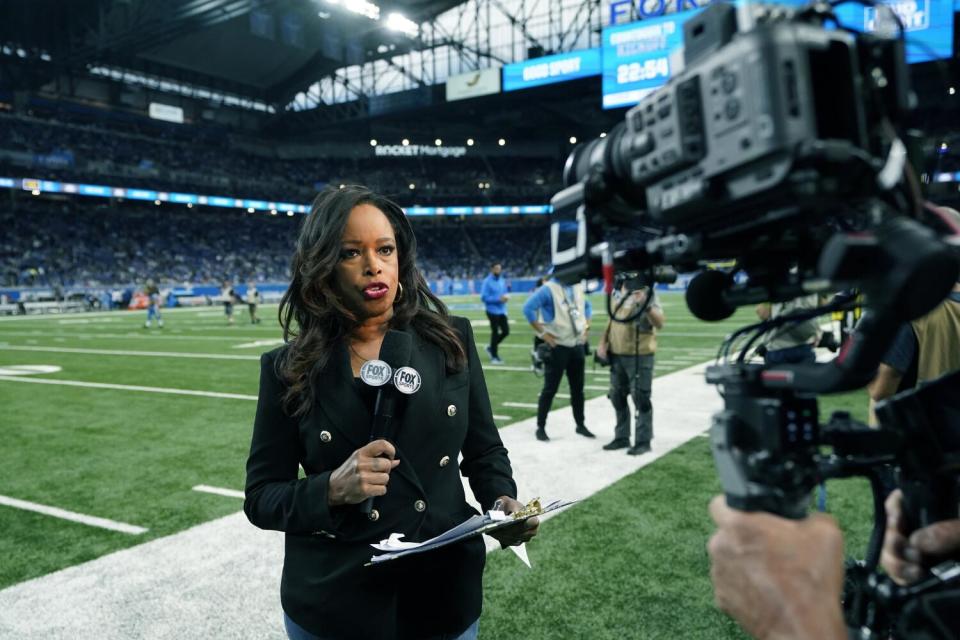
79, 243
62, 146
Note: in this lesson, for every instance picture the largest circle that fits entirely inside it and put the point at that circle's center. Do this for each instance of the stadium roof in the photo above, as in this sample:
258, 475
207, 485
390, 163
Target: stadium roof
264, 50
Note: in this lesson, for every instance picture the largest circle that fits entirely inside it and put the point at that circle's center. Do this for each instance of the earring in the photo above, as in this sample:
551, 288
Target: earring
399, 293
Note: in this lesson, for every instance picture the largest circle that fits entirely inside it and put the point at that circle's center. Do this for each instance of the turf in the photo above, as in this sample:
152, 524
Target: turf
628, 562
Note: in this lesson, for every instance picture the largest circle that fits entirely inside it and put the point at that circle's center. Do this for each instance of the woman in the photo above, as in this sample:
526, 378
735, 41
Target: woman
354, 277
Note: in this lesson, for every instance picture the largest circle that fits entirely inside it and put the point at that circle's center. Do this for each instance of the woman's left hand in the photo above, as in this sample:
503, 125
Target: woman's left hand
517, 534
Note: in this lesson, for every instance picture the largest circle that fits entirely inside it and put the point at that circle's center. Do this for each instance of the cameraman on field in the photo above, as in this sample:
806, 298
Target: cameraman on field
630, 348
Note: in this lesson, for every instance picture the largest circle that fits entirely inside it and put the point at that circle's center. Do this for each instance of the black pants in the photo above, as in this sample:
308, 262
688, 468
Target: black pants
499, 330
569, 360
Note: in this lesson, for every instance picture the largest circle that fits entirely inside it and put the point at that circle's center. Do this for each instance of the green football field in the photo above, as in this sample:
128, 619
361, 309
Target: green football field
133, 419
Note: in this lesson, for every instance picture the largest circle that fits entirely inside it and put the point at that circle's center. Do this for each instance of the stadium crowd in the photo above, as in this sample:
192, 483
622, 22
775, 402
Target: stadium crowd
75, 243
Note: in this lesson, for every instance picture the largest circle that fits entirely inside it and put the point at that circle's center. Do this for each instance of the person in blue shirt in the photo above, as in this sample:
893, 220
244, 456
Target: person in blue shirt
493, 292
561, 317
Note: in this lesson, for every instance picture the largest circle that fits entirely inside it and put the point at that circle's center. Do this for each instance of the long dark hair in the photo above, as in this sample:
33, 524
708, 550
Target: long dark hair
313, 317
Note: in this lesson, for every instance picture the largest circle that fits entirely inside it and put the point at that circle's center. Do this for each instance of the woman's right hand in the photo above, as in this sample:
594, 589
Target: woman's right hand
364, 474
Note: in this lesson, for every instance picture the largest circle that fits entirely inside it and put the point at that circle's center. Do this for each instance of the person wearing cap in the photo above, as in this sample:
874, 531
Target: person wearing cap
354, 279
560, 314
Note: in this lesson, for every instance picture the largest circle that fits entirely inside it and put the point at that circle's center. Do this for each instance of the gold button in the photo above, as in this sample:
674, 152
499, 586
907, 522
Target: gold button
420, 505
452, 410
325, 436
374, 515
444, 461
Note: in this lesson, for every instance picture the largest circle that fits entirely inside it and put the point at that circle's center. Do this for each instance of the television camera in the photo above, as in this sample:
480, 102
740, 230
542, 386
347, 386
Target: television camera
779, 146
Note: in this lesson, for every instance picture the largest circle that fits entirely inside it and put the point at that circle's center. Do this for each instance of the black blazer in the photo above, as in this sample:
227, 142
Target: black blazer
325, 587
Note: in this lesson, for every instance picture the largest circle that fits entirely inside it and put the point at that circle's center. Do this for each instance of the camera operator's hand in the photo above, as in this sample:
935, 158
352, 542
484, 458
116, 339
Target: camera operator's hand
907, 555
639, 297
602, 350
778, 578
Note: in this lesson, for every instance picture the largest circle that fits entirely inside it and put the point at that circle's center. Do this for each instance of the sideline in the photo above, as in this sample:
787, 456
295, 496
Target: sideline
120, 352
221, 578
73, 516
128, 387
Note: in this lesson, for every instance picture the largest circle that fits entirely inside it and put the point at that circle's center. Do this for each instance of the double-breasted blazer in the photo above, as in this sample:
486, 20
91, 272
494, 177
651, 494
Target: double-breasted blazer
325, 586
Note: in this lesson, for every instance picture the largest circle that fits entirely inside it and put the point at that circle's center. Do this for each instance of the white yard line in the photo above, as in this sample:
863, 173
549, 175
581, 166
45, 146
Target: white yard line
156, 334
520, 405
128, 387
220, 491
73, 516
118, 352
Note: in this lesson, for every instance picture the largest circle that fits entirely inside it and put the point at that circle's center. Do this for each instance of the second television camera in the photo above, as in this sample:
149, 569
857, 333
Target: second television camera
779, 147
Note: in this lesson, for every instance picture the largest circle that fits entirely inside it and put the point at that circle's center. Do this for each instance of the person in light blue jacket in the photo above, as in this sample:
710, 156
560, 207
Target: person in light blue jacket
493, 293
561, 317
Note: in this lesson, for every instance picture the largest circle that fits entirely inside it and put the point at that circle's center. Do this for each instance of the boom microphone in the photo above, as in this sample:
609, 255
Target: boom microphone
394, 355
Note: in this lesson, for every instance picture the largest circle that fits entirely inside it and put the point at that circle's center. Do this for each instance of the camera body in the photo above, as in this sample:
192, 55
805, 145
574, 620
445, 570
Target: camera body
762, 134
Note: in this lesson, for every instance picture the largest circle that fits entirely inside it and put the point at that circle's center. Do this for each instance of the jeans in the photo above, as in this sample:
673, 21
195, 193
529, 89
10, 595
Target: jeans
569, 360
296, 632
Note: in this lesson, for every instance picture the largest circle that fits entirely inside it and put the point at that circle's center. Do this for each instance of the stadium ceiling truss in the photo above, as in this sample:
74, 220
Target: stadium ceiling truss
474, 35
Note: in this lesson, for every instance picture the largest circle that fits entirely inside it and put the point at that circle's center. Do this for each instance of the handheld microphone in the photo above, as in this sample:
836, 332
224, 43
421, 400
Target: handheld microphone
394, 356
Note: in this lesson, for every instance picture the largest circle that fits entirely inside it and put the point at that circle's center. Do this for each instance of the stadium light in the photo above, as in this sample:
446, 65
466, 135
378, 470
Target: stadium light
289, 213
413, 186
469, 142
362, 7
501, 142
273, 212
35, 192
952, 91
573, 139
249, 209
603, 134
373, 142
405, 142
399, 22
438, 142
156, 202
189, 205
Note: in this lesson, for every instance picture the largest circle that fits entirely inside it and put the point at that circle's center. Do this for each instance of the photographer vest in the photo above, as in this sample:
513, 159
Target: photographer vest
632, 338
938, 340
569, 320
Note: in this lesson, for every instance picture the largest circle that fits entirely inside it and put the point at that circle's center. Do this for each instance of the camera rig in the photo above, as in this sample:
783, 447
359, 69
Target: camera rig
777, 147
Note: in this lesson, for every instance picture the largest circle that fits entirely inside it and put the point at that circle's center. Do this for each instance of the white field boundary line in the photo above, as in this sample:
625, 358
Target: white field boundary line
220, 491
133, 335
128, 387
137, 314
118, 352
73, 516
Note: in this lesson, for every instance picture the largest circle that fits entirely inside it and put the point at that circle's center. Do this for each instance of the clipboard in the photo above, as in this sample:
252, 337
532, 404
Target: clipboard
395, 548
